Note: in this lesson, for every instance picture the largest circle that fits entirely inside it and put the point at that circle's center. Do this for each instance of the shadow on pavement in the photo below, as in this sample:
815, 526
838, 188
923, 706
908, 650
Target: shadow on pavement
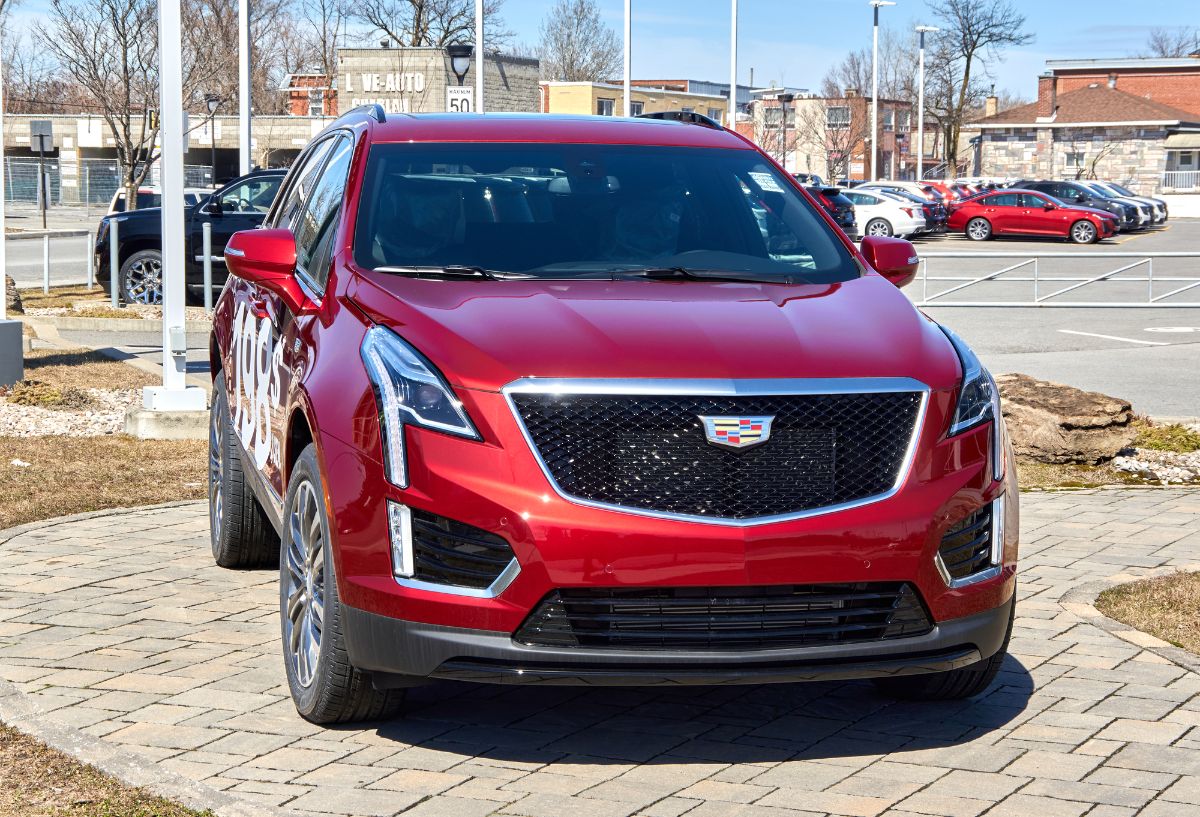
730, 724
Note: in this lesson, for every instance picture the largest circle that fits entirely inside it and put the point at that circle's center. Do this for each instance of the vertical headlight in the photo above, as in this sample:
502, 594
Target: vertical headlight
978, 401
408, 390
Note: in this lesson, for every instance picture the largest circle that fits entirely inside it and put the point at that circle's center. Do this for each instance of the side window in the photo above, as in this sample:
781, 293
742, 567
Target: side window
300, 183
318, 221
252, 196
1003, 200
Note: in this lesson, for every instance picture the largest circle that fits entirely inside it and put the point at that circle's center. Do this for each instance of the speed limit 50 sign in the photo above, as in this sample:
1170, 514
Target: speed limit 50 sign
460, 99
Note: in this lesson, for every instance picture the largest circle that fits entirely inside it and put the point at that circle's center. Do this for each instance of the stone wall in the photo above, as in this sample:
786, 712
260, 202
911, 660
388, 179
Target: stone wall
1134, 157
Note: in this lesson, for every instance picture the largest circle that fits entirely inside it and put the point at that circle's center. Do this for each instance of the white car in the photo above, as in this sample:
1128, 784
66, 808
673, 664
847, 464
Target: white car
880, 214
917, 188
151, 197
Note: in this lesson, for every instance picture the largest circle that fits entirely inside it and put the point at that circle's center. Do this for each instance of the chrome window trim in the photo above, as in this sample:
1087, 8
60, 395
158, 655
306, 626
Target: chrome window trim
698, 387
506, 577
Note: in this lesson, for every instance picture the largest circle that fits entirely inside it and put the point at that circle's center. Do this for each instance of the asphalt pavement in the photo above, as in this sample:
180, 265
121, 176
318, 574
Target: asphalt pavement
68, 253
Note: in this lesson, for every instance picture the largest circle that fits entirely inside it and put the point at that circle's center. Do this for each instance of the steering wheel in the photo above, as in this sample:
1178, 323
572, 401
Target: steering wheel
245, 206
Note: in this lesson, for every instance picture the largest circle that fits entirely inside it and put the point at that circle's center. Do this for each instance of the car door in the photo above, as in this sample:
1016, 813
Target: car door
260, 355
241, 205
1033, 218
1000, 209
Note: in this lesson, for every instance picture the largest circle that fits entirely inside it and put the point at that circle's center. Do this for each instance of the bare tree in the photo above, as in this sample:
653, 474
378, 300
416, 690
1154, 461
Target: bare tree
972, 31
318, 23
436, 23
576, 45
1179, 41
832, 129
110, 48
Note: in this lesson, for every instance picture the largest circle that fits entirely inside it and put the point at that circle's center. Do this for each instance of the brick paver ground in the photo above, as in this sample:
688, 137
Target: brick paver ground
121, 627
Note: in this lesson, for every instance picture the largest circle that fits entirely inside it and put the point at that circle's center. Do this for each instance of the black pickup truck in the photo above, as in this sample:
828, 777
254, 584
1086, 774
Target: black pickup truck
240, 205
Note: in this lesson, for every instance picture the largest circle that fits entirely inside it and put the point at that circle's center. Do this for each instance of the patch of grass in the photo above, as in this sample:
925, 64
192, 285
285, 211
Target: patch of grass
1167, 607
69, 475
83, 369
51, 784
1033, 474
62, 296
37, 393
104, 312
1168, 437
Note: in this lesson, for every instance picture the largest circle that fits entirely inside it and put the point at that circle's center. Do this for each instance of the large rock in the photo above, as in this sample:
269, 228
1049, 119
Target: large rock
1051, 422
14, 297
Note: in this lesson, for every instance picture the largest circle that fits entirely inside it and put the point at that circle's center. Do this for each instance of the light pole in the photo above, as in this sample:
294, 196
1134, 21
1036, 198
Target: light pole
460, 60
921, 32
784, 101
482, 58
732, 123
875, 6
213, 102
627, 107
244, 147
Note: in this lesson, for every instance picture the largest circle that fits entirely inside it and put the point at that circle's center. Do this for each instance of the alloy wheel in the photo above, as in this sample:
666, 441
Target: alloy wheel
1083, 233
978, 230
216, 472
143, 281
304, 616
879, 228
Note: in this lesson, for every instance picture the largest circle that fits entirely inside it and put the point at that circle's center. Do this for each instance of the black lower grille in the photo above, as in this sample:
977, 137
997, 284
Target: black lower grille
724, 618
651, 452
967, 547
454, 553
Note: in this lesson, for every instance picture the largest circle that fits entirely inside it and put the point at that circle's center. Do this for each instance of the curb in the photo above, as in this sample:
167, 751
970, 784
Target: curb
155, 325
22, 714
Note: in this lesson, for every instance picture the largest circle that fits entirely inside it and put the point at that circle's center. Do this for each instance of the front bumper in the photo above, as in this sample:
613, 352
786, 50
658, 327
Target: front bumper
394, 651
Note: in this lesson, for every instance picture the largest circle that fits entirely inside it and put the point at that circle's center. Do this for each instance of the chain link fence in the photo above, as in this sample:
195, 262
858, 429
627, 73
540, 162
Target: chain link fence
21, 181
89, 183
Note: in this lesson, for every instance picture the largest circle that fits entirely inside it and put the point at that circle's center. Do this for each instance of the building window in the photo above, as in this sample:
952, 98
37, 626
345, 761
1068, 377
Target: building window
604, 107
889, 120
688, 110
714, 114
1073, 160
316, 103
1186, 159
636, 108
903, 121
837, 117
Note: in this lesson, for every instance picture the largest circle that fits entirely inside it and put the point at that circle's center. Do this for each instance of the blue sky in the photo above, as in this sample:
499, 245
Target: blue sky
793, 42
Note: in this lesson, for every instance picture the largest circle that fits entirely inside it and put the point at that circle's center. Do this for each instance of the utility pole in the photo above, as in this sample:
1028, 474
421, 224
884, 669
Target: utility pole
875, 6
480, 57
244, 146
627, 105
733, 68
921, 32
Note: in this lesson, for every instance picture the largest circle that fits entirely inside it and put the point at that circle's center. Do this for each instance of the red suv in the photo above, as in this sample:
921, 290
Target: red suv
538, 399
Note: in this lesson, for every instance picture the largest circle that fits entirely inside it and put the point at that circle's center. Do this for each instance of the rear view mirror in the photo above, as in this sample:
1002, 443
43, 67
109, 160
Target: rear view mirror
267, 259
893, 258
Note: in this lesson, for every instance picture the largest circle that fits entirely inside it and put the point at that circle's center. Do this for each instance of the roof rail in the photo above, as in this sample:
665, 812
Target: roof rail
690, 117
374, 111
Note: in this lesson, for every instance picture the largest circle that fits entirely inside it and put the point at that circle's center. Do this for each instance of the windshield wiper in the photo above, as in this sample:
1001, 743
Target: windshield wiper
453, 271
693, 274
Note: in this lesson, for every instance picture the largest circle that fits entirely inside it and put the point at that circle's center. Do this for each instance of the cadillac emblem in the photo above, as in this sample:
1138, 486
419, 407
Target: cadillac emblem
737, 432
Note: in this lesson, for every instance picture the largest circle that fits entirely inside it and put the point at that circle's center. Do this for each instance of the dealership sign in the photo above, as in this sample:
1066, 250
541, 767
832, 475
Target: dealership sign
399, 85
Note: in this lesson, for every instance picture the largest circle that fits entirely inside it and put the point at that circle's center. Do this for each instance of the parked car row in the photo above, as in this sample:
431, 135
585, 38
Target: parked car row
1079, 210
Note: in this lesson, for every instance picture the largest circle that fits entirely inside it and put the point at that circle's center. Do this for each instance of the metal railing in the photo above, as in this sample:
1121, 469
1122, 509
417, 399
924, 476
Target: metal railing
1039, 287
1181, 179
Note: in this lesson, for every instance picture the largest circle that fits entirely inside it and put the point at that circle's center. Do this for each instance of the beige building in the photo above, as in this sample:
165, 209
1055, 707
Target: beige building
606, 99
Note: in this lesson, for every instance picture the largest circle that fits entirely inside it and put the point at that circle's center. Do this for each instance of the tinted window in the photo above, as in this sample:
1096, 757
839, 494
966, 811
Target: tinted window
300, 181
251, 196
561, 211
1003, 200
1069, 192
317, 223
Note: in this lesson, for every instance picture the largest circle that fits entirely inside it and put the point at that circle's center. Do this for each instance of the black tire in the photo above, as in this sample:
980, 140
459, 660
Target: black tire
335, 691
242, 536
956, 684
880, 227
140, 281
978, 229
1084, 232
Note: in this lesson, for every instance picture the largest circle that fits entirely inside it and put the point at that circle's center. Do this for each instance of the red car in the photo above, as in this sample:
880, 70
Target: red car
538, 399
1025, 212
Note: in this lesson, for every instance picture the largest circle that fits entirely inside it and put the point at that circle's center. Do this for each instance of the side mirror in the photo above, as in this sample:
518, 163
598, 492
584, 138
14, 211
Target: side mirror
1081, 198
212, 206
1048, 206
267, 259
893, 258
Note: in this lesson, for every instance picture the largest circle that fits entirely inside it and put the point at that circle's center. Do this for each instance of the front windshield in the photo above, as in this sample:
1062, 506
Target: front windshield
582, 210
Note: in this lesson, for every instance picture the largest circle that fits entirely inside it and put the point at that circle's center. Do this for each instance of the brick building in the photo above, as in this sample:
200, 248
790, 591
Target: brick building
1097, 129
1171, 82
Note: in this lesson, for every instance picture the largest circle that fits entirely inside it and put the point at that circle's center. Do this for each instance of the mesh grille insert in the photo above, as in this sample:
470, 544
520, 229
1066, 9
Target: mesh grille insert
967, 547
454, 553
724, 618
650, 451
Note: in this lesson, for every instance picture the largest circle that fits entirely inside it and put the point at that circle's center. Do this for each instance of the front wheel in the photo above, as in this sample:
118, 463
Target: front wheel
324, 685
1083, 232
979, 229
141, 278
966, 682
879, 226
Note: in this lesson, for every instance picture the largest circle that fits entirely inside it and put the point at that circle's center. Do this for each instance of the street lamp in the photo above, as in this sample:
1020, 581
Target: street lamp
784, 101
213, 102
460, 60
875, 6
921, 31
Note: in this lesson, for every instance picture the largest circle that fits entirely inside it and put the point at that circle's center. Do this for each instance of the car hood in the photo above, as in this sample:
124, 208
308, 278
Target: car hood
485, 334
1096, 211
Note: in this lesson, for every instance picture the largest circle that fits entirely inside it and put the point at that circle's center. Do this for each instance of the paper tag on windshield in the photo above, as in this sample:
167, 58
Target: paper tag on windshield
766, 181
